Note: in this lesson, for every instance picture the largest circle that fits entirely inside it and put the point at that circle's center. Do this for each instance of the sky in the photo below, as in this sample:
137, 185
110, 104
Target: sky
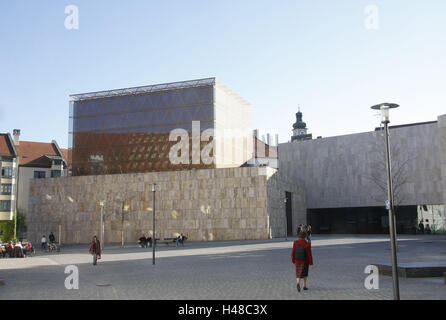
333, 58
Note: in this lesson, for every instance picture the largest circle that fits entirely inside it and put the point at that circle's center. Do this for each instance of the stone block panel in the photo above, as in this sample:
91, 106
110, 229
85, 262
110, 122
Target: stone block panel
205, 205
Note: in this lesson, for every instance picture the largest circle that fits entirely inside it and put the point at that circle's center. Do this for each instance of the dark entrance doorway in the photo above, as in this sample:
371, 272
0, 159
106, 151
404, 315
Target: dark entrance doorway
289, 214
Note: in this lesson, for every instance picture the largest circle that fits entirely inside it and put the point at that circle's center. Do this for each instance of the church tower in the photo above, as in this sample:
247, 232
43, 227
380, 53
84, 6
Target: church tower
300, 130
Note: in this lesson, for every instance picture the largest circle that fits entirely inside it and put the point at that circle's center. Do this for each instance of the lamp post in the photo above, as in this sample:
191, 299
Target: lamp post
384, 108
153, 223
102, 203
71, 200
286, 222
124, 208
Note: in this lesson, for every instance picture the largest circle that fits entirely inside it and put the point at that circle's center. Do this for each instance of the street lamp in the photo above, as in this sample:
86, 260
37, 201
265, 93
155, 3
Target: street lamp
153, 224
71, 200
102, 203
124, 208
286, 222
384, 108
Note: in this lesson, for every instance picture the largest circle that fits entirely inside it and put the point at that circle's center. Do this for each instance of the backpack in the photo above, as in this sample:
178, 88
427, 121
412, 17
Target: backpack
299, 253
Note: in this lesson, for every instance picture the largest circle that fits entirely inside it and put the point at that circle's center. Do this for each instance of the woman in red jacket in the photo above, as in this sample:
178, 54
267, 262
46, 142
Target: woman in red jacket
95, 249
302, 258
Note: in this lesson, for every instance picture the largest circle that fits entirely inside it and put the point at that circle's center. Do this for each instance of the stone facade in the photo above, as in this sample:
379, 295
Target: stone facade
205, 205
339, 172
442, 153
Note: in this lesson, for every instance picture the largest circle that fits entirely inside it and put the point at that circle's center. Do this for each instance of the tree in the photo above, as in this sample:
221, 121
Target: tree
60, 214
124, 204
7, 230
104, 214
58, 199
21, 226
13, 229
399, 164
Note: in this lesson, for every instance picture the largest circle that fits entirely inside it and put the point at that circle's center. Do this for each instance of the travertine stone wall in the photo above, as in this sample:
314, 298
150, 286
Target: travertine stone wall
205, 205
442, 153
277, 185
341, 171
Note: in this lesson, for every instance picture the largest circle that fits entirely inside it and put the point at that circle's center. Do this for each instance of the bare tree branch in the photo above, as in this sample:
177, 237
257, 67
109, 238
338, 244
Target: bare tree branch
400, 162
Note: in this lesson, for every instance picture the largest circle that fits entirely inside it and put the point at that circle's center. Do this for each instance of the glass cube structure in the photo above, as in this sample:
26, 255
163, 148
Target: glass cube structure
129, 130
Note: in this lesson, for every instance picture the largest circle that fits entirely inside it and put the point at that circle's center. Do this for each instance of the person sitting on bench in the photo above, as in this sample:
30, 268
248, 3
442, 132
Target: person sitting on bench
10, 249
52, 238
180, 239
3, 250
143, 241
18, 250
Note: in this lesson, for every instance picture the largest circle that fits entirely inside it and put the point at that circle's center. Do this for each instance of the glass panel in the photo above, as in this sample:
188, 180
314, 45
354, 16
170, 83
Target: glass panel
131, 133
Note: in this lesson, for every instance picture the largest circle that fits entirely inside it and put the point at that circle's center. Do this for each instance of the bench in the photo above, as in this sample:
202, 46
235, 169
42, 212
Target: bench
172, 240
166, 241
182, 241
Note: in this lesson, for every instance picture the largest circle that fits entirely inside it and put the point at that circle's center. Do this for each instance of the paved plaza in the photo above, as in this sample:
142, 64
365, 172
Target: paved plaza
247, 270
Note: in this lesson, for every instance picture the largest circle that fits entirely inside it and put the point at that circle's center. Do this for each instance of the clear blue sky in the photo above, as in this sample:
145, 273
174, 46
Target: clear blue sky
276, 54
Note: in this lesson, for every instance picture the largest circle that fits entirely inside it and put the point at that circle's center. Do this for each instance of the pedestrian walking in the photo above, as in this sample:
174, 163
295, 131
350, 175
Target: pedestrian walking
302, 258
95, 249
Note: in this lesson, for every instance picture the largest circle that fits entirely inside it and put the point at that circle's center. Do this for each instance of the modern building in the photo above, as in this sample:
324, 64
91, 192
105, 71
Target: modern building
36, 160
125, 141
345, 178
8, 178
173, 126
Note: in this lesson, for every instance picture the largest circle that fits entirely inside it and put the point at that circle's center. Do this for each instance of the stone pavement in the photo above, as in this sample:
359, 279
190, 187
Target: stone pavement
237, 270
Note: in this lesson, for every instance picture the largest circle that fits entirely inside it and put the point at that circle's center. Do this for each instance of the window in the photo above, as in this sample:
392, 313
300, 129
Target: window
6, 189
39, 174
7, 172
55, 173
5, 205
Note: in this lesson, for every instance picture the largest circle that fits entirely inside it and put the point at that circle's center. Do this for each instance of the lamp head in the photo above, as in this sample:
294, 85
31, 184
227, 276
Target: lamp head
384, 108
